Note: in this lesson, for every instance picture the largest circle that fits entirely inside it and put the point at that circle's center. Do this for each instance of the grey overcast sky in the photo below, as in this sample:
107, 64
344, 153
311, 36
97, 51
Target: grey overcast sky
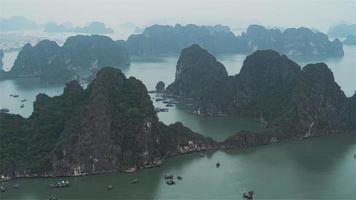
239, 13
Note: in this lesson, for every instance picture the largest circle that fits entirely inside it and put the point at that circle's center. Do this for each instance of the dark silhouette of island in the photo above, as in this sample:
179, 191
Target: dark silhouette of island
17, 23
342, 30
270, 88
91, 28
296, 42
79, 56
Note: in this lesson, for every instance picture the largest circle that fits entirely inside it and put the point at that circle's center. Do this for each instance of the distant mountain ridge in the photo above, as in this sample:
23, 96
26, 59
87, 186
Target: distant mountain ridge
342, 30
79, 54
303, 42
92, 28
17, 23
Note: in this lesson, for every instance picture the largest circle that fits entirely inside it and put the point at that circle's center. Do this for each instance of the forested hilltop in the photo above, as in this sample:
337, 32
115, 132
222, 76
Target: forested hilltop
110, 126
270, 88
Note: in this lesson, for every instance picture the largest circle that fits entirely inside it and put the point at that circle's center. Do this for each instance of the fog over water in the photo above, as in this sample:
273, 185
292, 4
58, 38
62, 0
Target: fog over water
319, 14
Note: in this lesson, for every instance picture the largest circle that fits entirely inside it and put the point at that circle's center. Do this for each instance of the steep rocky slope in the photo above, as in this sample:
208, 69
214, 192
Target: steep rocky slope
109, 126
270, 88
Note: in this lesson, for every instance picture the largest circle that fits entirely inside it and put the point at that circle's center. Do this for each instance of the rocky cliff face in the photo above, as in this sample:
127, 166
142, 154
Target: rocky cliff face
296, 42
270, 88
320, 103
198, 80
78, 55
109, 126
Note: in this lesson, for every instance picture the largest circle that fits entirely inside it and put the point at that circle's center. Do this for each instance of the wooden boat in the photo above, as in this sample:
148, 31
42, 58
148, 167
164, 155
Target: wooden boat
134, 181
248, 194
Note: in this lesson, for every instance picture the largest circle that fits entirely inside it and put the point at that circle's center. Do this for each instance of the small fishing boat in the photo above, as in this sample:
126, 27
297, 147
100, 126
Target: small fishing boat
248, 194
22, 105
169, 177
201, 154
110, 187
170, 182
2, 188
16, 186
179, 178
217, 165
23, 100
134, 181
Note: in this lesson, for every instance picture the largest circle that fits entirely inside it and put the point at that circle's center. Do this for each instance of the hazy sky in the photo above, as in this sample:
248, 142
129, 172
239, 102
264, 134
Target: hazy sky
239, 13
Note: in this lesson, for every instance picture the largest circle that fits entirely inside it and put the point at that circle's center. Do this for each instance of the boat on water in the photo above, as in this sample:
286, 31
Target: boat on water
2, 188
169, 105
23, 100
14, 95
169, 177
161, 109
130, 170
16, 186
110, 187
248, 194
217, 165
60, 184
170, 182
201, 154
134, 181
179, 178
22, 105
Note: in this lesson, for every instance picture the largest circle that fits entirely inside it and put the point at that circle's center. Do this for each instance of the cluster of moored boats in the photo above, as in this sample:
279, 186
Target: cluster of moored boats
171, 180
169, 102
60, 184
14, 96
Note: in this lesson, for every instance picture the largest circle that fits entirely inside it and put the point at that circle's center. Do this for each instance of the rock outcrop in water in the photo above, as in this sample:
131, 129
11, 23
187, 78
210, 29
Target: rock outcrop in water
296, 42
164, 39
78, 56
160, 87
109, 126
270, 87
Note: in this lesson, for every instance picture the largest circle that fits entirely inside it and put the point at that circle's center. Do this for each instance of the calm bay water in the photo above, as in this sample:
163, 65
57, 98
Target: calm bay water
318, 168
